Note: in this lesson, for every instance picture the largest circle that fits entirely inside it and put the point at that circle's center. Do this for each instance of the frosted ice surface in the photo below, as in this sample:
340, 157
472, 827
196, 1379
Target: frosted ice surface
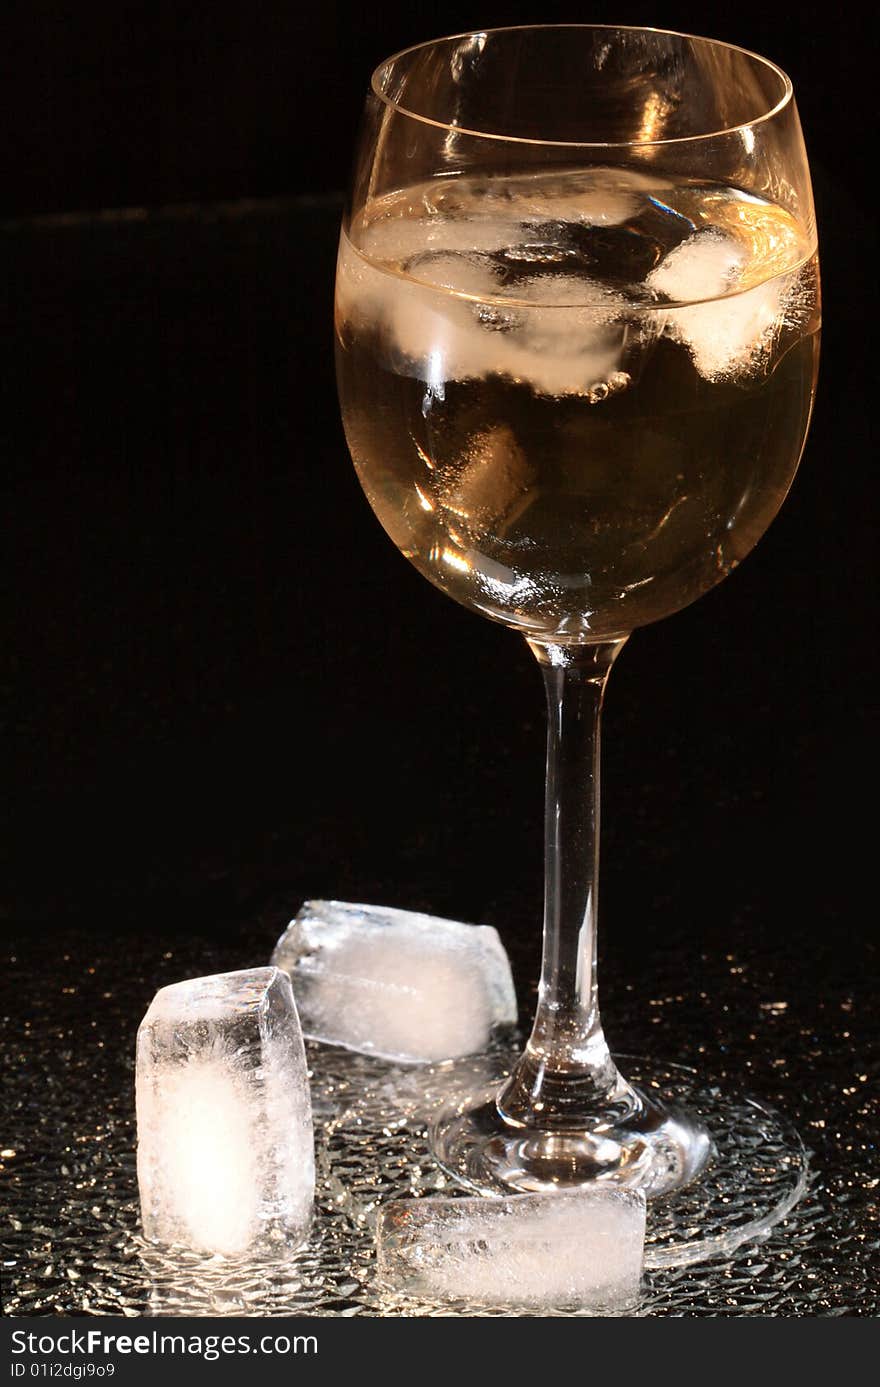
573, 334
394, 983
560, 334
725, 336
558, 348
439, 336
583, 1249
729, 337
398, 239
704, 266
225, 1142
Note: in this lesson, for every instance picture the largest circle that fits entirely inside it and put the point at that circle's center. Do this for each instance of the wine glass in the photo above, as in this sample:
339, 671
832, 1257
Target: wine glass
576, 315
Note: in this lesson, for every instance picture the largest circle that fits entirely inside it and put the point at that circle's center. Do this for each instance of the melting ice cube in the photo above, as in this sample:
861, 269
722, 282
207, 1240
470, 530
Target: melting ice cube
704, 266
225, 1143
573, 335
726, 336
436, 334
395, 983
559, 334
583, 1249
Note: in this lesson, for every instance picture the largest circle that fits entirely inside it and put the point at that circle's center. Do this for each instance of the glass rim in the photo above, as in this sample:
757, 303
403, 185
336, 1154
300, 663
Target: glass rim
774, 68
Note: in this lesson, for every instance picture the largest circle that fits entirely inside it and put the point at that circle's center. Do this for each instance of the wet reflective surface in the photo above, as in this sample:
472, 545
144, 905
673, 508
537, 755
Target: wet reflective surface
72, 1243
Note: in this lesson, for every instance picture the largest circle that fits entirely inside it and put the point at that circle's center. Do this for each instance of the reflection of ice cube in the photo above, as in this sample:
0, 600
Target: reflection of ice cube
225, 1145
463, 274
395, 983
581, 1249
729, 335
184, 1282
593, 197
490, 480
395, 241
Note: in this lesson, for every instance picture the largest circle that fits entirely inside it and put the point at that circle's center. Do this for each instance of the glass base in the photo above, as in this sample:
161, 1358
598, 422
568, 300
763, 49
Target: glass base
755, 1172
656, 1149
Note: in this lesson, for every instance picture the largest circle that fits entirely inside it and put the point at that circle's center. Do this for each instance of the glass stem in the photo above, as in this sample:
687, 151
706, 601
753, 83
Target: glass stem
567, 1076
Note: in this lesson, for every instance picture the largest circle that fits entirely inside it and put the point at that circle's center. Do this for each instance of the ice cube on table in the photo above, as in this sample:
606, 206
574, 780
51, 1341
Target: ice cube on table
395, 983
225, 1143
583, 1249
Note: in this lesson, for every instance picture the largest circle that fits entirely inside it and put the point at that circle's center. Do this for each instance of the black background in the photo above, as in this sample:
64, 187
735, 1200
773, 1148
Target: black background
229, 691
116, 104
